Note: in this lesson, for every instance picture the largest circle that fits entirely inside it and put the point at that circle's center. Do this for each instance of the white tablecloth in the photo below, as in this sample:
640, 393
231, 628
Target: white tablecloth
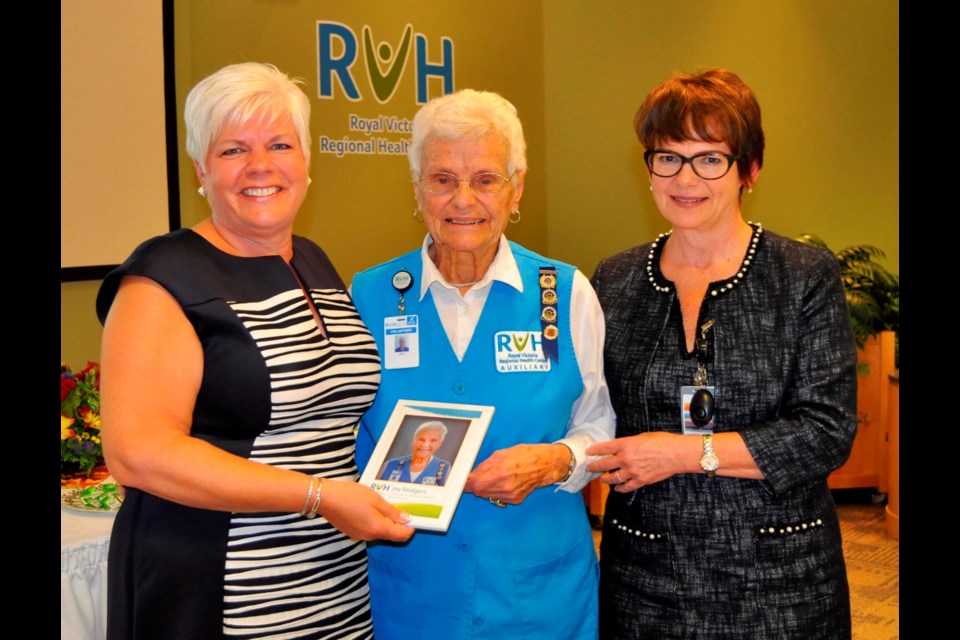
84, 541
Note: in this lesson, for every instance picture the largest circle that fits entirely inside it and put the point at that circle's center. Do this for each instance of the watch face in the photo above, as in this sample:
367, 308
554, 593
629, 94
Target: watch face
709, 462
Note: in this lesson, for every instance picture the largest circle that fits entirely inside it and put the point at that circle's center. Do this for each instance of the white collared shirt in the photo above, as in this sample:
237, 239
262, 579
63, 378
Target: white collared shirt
591, 418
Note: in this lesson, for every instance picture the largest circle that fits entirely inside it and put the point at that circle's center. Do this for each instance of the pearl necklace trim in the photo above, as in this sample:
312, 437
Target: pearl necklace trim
727, 285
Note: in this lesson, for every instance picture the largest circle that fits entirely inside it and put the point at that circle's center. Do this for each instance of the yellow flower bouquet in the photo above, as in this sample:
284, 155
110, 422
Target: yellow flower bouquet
80, 419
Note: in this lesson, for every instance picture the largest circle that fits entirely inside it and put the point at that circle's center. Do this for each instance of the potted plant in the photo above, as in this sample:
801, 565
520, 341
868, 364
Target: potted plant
873, 293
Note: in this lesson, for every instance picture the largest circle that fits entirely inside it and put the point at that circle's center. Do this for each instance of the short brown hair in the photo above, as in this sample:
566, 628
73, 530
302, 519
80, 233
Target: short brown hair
713, 106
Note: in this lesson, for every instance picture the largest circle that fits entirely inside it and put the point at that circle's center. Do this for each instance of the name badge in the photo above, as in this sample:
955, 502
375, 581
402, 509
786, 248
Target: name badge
686, 423
401, 342
518, 351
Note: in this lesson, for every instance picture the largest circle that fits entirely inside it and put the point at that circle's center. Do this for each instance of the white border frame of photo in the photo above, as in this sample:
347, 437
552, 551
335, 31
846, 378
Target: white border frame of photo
430, 506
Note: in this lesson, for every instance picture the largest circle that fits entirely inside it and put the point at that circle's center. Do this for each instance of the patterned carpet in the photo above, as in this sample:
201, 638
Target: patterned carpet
873, 570
873, 567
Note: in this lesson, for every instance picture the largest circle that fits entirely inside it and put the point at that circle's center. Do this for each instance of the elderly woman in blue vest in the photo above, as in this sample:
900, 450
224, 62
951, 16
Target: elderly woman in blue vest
489, 322
421, 466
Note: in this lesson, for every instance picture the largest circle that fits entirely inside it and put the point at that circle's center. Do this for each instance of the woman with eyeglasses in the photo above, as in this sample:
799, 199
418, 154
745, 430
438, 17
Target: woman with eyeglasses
488, 322
732, 370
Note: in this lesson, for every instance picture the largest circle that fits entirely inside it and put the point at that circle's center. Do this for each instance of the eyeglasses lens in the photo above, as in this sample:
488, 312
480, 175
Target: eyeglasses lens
708, 166
447, 183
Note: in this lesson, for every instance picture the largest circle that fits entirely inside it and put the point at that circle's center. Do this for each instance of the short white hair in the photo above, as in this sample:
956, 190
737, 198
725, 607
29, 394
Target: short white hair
468, 114
432, 425
237, 92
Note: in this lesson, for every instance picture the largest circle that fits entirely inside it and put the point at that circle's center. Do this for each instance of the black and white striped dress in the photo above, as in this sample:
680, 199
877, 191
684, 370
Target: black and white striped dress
274, 390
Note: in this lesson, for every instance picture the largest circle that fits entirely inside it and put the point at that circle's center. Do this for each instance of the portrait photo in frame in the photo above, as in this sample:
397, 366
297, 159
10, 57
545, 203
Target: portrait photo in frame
448, 437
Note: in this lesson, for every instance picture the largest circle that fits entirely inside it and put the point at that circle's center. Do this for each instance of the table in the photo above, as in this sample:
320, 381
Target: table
84, 541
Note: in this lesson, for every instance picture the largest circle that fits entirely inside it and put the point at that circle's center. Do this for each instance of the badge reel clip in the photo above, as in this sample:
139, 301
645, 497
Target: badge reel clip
402, 281
702, 404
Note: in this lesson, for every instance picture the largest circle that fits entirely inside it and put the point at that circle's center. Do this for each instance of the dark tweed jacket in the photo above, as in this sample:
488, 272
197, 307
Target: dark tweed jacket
694, 557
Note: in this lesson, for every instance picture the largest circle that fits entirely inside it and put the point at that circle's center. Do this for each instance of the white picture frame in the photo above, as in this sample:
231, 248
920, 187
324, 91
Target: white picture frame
431, 497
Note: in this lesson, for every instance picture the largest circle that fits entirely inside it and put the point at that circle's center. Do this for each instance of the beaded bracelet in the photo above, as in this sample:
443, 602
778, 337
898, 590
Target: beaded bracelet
306, 503
316, 502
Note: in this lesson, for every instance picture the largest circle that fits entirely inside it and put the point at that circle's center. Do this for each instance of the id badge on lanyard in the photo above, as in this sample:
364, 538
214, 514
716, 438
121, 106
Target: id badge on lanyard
401, 333
401, 342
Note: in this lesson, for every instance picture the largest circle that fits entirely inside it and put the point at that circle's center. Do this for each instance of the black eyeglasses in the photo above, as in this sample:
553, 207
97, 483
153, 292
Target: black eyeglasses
709, 165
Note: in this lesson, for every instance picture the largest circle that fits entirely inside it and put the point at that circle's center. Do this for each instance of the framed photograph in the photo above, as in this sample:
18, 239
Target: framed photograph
424, 456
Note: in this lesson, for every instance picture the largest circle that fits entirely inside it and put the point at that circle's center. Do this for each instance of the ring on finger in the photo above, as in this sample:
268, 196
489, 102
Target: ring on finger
497, 502
620, 477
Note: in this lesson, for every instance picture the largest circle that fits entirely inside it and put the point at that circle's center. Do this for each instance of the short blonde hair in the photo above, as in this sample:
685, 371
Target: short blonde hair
233, 95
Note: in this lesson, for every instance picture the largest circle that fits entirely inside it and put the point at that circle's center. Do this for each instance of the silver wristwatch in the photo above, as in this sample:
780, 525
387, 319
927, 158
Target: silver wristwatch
709, 461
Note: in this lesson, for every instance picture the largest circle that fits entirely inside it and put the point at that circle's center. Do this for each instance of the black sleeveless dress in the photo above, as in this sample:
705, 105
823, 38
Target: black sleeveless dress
274, 390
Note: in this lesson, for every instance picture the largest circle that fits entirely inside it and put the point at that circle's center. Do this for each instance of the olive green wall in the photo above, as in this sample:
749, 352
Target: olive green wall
79, 330
826, 73
359, 208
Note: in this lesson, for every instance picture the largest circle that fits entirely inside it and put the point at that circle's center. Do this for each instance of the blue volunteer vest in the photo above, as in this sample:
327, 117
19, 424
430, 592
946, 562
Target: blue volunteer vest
524, 571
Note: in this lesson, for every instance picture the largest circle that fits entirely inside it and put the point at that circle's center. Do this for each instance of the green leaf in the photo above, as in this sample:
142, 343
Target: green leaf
873, 293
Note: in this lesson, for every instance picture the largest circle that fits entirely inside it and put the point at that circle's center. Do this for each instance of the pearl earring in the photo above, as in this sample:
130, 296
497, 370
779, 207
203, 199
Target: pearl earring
202, 192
